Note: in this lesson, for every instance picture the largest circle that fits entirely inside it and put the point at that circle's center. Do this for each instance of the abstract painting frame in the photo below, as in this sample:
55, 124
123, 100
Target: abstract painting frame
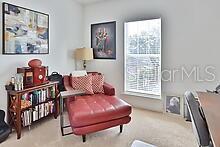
25, 31
103, 40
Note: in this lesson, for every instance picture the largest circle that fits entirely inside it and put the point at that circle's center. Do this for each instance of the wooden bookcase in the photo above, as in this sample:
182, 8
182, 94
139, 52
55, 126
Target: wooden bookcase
17, 110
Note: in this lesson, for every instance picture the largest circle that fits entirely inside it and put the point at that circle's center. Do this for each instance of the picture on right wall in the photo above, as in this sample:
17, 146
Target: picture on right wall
103, 40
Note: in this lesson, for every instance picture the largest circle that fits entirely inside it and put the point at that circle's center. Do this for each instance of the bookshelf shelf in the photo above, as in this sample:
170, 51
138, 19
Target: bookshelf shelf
32, 104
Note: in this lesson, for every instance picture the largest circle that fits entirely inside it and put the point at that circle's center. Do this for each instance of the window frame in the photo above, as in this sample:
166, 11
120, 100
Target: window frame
135, 92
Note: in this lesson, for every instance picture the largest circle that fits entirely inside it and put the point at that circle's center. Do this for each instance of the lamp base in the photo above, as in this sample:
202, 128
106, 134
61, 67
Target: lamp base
84, 64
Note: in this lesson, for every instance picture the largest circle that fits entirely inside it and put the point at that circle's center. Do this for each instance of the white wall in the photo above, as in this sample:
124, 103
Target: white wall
190, 36
65, 35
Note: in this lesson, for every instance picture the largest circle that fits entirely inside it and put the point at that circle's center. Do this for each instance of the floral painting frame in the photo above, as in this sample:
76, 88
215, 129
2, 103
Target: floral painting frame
103, 40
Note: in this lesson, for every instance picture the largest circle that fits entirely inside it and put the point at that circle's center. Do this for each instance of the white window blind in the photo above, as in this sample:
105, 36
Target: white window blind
143, 56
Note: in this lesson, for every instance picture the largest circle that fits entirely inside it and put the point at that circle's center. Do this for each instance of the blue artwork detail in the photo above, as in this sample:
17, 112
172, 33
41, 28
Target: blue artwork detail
44, 35
18, 48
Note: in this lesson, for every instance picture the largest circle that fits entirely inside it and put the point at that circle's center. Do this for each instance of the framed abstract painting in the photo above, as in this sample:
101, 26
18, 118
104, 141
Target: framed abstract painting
103, 40
25, 31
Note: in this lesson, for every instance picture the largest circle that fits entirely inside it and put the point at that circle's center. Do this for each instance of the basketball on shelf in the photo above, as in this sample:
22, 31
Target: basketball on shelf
35, 63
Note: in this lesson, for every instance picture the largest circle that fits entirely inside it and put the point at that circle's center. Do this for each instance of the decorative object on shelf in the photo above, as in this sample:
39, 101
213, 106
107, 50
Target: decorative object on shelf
13, 80
18, 82
174, 105
11, 85
28, 76
84, 54
40, 75
31, 104
25, 104
103, 39
25, 31
35, 63
35, 74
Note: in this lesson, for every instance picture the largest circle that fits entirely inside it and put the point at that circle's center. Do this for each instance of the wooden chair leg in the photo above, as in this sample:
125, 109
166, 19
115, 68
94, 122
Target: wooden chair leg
84, 138
121, 128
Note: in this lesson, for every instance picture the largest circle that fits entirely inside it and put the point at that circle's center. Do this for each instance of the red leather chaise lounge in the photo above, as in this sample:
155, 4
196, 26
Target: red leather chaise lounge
92, 113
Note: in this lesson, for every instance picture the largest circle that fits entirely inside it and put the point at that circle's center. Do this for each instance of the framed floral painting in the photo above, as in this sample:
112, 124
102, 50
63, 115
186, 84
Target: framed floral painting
103, 40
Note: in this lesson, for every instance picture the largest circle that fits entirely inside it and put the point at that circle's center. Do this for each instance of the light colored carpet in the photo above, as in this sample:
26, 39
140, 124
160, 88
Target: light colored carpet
155, 128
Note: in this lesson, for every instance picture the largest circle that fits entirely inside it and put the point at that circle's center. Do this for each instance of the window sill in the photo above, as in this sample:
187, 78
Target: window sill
150, 96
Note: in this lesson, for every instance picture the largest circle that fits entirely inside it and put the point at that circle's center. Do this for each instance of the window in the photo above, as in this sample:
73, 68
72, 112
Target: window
143, 57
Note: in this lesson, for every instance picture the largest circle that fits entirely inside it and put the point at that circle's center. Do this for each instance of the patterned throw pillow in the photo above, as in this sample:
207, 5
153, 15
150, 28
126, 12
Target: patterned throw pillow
97, 83
83, 83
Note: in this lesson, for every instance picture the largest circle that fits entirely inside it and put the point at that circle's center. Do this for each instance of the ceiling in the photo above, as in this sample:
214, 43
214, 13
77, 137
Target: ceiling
88, 1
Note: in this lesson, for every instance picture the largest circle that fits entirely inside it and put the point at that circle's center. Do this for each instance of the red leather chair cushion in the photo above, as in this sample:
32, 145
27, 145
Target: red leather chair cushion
101, 126
97, 108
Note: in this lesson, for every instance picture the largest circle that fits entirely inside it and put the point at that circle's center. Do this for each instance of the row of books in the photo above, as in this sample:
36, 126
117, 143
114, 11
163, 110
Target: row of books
26, 118
39, 96
37, 113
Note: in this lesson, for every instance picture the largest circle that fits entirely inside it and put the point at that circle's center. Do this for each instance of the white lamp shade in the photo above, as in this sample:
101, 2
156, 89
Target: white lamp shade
84, 54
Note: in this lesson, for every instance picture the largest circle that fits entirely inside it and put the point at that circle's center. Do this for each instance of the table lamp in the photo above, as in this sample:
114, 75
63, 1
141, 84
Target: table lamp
84, 54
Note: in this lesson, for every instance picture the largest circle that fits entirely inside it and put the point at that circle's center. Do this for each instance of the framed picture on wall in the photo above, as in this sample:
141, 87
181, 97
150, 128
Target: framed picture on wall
103, 40
25, 31
174, 105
